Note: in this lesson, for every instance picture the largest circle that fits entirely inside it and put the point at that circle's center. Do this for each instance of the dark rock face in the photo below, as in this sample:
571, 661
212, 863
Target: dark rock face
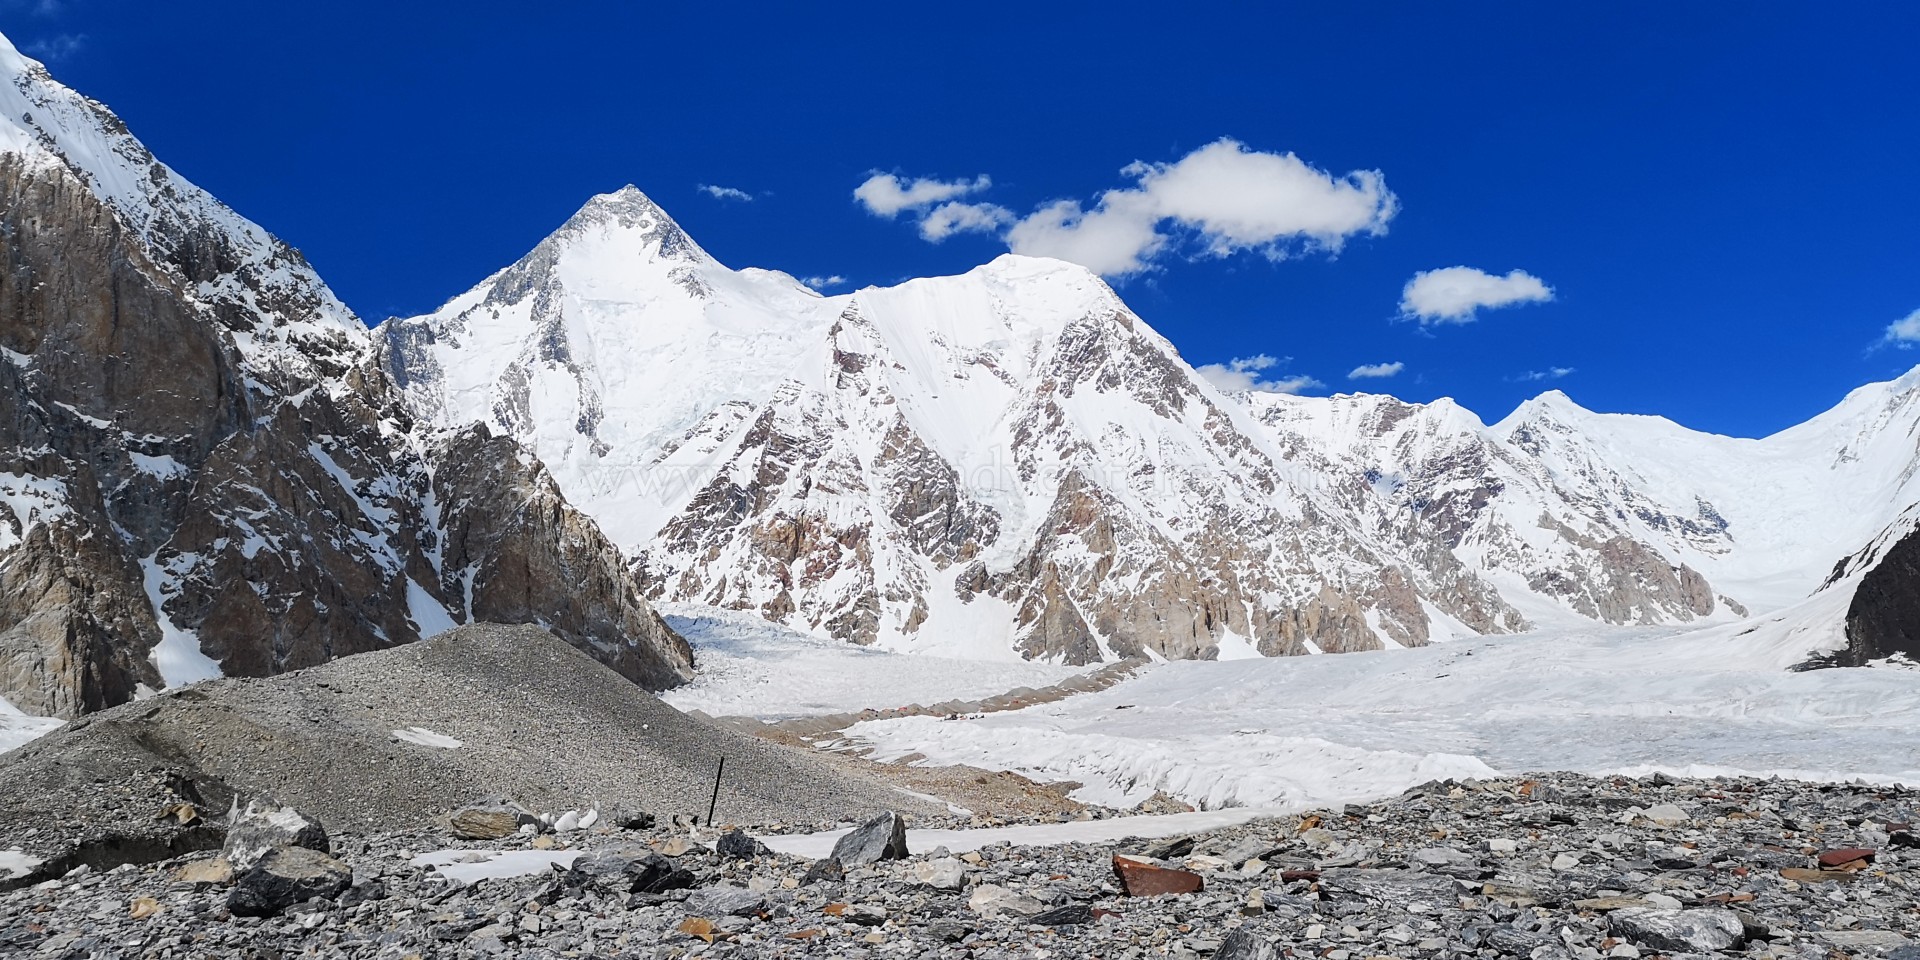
532, 558
202, 450
1884, 617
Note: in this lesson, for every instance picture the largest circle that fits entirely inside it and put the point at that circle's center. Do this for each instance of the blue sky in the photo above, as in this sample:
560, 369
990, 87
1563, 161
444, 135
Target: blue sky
1720, 198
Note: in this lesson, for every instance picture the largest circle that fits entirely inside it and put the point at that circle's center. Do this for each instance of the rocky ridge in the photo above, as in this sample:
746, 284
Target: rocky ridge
1555, 867
203, 471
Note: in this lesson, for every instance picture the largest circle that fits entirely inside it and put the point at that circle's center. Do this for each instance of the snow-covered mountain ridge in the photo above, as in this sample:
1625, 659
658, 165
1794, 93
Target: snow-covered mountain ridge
1011, 462
201, 471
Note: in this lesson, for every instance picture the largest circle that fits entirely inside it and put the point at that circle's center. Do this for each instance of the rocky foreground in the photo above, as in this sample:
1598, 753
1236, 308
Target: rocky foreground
1559, 866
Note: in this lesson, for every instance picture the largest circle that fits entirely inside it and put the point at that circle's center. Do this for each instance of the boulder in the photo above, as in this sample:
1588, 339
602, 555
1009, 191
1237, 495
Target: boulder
940, 873
626, 818
629, 872
1453, 863
1665, 814
1071, 915
284, 876
1846, 858
1140, 879
827, 870
882, 838
724, 902
1700, 930
992, 900
1244, 944
490, 821
264, 825
1169, 849
735, 845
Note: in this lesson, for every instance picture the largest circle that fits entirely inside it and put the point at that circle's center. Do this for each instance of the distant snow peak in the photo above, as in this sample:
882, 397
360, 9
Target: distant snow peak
1006, 463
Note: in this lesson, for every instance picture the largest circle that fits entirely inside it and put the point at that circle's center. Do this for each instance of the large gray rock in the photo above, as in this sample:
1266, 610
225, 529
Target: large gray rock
263, 825
1388, 886
489, 821
285, 876
1246, 944
637, 871
882, 838
1699, 930
736, 845
724, 902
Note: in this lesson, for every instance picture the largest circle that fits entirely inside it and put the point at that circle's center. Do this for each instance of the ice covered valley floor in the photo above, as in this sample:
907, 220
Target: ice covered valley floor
1312, 731
747, 667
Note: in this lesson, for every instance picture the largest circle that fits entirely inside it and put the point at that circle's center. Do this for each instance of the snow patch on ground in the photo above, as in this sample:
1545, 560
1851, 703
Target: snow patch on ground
427, 738
1314, 731
470, 866
749, 667
14, 863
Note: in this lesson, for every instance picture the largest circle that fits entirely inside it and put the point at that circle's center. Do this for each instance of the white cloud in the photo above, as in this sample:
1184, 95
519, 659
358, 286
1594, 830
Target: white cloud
1550, 373
1224, 196
886, 195
1374, 371
1904, 332
1453, 294
1229, 197
822, 283
1244, 374
725, 193
1114, 239
54, 49
954, 217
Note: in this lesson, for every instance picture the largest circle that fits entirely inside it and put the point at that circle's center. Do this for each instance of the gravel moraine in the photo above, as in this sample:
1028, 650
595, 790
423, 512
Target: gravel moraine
1556, 866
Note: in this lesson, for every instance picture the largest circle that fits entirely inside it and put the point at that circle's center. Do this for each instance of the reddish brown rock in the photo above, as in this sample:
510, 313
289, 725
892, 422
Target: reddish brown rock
1140, 879
1842, 858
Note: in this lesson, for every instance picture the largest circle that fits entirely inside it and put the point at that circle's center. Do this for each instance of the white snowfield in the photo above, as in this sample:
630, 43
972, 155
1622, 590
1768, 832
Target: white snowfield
17, 728
751, 668
1313, 731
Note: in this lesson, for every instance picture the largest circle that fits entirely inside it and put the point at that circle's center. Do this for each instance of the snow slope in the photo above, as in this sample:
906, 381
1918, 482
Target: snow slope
1787, 506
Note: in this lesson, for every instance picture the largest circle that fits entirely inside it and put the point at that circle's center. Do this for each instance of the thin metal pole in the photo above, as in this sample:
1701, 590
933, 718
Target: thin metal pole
716, 790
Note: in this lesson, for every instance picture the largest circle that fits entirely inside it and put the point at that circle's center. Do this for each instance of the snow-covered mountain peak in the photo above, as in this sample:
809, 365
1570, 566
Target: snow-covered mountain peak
263, 291
631, 220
